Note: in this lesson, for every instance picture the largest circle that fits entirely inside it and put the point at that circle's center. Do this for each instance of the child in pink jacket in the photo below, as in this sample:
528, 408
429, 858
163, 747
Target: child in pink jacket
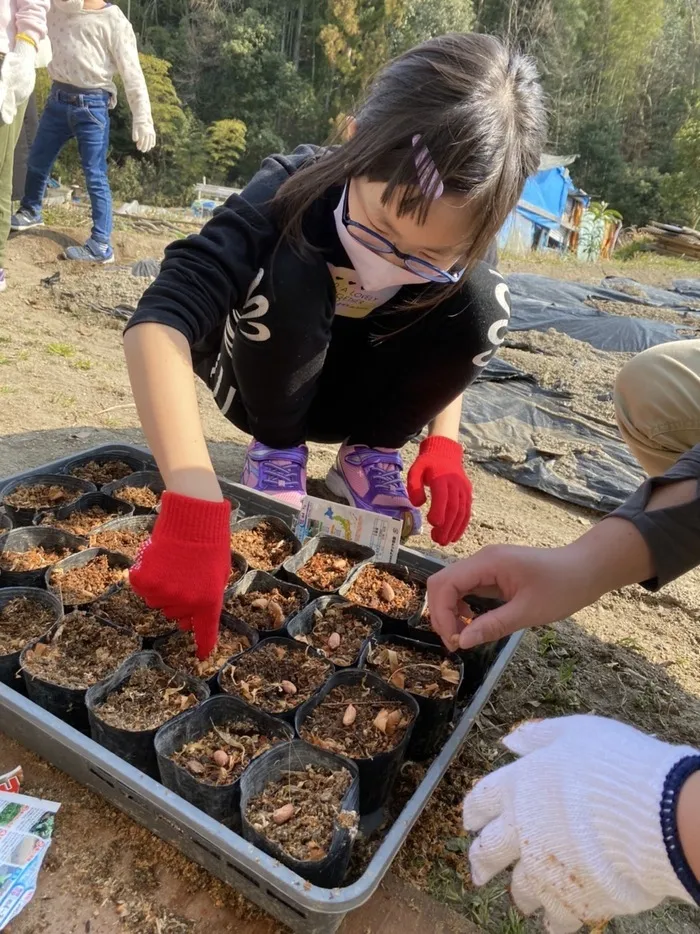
22, 27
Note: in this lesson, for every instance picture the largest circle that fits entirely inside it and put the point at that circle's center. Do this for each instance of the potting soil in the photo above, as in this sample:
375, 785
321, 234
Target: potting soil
356, 721
221, 755
141, 496
339, 632
299, 811
263, 547
102, 472
86, 583
125, 608
31, 560
326, 570
180, 652
263, 609
125, 541
21, 621
380, 590
79, 523
148, 699
40, 496
415, 671
275, 677
81, 652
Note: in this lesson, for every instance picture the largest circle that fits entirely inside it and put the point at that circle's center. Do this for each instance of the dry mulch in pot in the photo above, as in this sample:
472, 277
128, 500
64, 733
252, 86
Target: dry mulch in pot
275, 677
357, 721
263, 547
142, 496
31, 560
146, 700
40, 496
220, 756
180, 652
21, 621
339, 632
125, 541
102, 472
81, 652
79, 523
383, 591
300, 809
86, 583
326, 570
412, 670
125, 608
263, 609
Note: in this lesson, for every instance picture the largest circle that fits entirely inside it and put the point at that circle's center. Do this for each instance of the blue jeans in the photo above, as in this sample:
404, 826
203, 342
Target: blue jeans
69, 113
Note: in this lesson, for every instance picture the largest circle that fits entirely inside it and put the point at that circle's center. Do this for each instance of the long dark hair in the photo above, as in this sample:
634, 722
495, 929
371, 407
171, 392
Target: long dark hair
479, 109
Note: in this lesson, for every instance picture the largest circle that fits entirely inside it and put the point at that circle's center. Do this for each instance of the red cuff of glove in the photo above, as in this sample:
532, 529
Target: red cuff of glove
196, 520
439, 466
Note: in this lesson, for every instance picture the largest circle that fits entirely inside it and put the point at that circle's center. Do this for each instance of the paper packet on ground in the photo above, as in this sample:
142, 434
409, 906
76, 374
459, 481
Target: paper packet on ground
354, 525
26, 825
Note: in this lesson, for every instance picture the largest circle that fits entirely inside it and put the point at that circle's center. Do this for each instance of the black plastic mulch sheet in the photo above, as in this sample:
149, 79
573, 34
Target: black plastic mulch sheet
540, 303
534, 436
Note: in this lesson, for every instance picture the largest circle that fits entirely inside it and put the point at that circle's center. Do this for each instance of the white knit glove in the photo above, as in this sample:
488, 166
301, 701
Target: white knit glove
579, 815
144, 135
17, 79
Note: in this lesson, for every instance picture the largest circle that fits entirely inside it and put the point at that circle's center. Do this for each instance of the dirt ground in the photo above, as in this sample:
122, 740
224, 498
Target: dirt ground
634, 655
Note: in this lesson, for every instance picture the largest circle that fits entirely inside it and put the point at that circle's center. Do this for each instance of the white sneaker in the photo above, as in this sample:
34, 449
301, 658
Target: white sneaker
3, 280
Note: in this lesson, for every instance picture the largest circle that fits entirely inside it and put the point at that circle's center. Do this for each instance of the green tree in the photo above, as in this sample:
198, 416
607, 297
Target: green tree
225, 144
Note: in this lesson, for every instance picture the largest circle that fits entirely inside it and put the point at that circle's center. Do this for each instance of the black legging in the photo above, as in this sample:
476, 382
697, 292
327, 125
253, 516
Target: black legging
24, 143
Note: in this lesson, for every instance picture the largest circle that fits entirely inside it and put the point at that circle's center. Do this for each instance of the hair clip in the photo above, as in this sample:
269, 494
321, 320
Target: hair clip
428, 176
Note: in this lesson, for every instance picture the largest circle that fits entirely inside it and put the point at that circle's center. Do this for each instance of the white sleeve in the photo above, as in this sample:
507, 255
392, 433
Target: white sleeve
126, 55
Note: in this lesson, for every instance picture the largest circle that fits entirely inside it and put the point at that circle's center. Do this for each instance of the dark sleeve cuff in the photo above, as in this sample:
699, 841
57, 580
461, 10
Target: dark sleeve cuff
671, 534
675, 780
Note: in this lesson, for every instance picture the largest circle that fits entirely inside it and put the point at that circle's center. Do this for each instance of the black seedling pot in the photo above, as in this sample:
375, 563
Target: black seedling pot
134, 746
222, 802
324, 543
272, 765
435, 714
5, 522
150, 479
278, 524
303, 623
226, 622
112, 453
397, 625
9, 664
378, 773
114, 560
264, 582
66, 703
286, 715
22, 516
21, 540
114, 507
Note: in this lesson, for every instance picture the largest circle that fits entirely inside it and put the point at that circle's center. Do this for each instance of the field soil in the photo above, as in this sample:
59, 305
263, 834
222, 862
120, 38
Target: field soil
633, 655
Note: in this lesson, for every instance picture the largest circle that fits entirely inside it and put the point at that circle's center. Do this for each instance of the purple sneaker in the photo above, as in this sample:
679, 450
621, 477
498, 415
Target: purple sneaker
370, 478
278, 473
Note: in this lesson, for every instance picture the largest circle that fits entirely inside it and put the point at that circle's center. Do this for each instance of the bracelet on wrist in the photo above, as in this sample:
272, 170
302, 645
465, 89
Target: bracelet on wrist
23, 37
675, 780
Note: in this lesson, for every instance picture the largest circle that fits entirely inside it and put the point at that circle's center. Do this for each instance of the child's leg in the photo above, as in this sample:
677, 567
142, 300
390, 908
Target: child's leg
274, 348
8, 138
91, 127
53, 133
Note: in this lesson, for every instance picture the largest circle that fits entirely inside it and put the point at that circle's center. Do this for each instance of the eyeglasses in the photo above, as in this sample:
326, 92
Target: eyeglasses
378, 244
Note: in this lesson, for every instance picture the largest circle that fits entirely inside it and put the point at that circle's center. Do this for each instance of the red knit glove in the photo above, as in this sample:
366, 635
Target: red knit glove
183, 568
439, 466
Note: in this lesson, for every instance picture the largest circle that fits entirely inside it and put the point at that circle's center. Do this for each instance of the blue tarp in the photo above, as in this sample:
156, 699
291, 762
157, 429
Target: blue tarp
544, 197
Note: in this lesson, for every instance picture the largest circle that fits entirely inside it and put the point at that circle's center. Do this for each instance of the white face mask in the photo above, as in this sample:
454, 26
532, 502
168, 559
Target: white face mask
373, 270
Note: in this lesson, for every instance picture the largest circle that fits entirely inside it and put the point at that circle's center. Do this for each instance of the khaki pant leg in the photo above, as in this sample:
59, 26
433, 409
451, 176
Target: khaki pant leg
657, 403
